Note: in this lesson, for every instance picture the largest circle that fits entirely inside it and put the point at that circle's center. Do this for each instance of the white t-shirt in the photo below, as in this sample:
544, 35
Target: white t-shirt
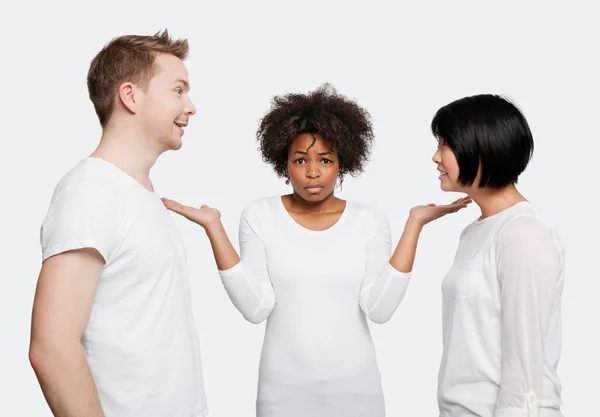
141, 340
316, 288
502, 319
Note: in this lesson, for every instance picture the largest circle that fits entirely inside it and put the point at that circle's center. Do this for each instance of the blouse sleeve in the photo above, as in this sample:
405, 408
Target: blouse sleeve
529, 268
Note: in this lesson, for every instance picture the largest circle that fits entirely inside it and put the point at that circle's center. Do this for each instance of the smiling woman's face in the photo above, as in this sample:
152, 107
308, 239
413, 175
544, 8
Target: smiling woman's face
313, 167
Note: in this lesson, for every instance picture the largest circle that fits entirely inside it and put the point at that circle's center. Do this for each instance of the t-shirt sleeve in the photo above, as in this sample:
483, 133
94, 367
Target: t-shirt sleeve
86, 215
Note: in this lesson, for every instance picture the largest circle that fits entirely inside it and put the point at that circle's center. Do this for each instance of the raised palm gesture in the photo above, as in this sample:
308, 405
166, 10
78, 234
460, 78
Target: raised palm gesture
203, 216
426, 213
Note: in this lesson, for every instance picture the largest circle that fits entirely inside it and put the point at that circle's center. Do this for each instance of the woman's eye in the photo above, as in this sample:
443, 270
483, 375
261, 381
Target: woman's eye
327, 161
299, 161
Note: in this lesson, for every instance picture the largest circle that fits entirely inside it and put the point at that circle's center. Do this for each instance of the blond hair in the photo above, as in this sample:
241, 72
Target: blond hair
129, 58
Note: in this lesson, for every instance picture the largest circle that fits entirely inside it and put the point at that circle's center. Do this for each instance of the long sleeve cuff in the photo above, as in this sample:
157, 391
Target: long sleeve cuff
252, 296
231, 271
529, 409
393, 272
382, 297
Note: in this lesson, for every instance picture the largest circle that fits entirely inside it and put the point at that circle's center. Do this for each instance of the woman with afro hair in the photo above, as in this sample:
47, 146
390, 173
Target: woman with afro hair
315, 266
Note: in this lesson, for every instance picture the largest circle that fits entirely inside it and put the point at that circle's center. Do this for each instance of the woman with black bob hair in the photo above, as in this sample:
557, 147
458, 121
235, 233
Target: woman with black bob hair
315, 266
502, 296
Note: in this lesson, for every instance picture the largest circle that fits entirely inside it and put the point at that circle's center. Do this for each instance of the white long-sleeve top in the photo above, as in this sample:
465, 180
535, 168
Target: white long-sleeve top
315, 289
502, 319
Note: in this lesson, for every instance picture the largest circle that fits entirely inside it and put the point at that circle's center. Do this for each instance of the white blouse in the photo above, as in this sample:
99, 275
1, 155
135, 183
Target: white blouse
315, 289
502, 319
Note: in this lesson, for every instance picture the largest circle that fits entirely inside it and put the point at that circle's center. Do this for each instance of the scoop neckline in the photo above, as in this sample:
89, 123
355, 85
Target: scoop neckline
298, 226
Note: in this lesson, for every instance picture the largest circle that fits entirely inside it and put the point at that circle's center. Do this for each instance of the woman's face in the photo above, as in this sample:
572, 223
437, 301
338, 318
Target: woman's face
448, 167
312, 167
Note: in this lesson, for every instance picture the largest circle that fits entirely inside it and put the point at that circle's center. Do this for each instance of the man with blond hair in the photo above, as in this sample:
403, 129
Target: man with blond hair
113, 332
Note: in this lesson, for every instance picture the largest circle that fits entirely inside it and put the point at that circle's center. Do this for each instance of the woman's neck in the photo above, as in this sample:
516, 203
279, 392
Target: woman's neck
494, 201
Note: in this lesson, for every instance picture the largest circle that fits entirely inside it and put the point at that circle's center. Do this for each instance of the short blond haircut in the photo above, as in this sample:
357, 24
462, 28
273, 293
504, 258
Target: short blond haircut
129, 58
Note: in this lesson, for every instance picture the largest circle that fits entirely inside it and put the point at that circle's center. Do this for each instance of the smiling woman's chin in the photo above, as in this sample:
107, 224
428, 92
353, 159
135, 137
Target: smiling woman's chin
175, 144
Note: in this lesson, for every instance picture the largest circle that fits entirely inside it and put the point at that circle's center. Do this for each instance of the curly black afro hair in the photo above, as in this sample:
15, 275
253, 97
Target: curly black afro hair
340, 121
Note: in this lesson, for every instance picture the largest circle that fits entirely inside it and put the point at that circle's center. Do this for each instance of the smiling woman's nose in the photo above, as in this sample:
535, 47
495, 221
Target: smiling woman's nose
437, 158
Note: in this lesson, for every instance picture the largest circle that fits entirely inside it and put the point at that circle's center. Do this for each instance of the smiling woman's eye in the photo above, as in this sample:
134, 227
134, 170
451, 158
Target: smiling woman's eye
299, 161
179, 90
326, 161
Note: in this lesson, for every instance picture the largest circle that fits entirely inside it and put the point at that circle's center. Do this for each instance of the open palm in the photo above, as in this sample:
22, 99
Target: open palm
429, 212
203, 216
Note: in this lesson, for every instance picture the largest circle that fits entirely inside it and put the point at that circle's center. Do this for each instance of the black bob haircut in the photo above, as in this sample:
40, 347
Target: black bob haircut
485, 131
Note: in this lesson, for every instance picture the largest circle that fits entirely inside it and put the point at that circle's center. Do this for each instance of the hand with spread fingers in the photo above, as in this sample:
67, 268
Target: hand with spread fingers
203, 216
429, 212
210, 219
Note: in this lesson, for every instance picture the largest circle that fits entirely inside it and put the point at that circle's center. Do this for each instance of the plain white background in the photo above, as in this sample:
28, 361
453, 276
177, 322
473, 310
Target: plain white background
401, 62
